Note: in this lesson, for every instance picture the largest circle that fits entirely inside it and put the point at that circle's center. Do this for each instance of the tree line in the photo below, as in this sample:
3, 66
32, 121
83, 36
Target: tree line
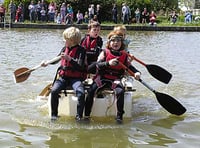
107, 5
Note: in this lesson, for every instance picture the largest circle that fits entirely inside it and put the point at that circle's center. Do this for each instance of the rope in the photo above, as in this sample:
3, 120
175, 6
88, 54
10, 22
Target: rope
109, 106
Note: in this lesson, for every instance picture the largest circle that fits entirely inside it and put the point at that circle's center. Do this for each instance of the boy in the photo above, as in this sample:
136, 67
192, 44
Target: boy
92, 43
72, 72
109, 74
123, 30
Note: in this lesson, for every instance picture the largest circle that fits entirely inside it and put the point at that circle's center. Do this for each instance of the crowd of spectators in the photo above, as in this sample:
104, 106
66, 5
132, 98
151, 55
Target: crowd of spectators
64, 14
2, 12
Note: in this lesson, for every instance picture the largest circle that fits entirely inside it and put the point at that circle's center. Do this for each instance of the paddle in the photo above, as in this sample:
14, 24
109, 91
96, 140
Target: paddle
166, 101
45, 92
23, 73
156, 71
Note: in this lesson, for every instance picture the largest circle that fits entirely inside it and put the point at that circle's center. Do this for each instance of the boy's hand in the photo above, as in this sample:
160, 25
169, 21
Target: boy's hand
66, 57
137, 75
43, 64
113, 62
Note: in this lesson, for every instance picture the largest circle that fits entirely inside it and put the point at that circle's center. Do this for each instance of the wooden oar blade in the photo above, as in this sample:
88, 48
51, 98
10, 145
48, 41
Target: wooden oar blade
170, 104
45, 92
159, 73
21, 74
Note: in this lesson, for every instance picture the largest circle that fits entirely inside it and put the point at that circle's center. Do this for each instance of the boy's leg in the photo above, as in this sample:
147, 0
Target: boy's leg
90, 99
119, 92
58, 85
80, 93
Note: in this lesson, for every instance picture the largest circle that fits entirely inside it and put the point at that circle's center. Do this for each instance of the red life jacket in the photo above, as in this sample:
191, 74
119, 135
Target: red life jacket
114, 72
90, 47
88, 44
67, 69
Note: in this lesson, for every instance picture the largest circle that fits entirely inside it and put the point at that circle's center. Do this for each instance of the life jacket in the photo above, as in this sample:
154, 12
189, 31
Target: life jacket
90, 47
88, 44
114, 72
67, 69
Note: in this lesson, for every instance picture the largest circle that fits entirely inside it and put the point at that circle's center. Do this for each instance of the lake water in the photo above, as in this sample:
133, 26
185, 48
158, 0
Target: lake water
25, 121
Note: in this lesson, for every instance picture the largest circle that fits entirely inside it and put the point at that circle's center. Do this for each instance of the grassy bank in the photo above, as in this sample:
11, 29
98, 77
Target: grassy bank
162, 25
163, 21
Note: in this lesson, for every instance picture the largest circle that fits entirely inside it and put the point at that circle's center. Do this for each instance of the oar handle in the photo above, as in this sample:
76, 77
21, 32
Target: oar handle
47, 62
134, 58
53, 60
133, 74
127, 69
145, 84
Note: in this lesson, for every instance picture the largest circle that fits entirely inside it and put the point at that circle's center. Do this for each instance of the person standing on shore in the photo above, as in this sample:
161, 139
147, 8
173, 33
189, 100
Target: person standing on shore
188, 17
63, 12
98, 13
2, 12
32, 11
19, 14
70, 13
12, 8
173, 17
43, 14
79, 17
145, 16
126, 13
114, 13
38, 9
137, 15
91, 11
51, 11
86, 17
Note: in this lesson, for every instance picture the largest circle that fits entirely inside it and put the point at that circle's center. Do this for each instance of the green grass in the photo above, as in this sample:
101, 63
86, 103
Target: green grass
161, 21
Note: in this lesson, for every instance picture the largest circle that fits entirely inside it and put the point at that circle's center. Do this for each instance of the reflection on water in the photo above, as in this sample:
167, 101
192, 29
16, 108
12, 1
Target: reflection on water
161, 139
25, 121
168, 122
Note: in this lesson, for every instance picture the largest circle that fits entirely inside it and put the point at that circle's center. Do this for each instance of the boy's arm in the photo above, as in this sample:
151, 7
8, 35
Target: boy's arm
131, 67
62, 50
101, 63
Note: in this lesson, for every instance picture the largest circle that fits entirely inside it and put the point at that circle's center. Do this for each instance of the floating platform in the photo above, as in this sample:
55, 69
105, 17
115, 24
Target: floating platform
102, 107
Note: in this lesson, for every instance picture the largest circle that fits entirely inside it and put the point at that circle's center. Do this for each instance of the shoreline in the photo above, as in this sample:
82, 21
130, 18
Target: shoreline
105, 27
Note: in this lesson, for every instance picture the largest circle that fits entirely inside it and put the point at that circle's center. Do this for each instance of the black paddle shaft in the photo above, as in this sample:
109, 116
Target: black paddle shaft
166, 101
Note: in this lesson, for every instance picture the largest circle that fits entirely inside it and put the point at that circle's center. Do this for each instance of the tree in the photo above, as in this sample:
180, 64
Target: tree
106, 5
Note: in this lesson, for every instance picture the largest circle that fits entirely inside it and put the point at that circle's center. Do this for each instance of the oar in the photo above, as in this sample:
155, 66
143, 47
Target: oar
45, 92
166, 101
156, 71
23, 73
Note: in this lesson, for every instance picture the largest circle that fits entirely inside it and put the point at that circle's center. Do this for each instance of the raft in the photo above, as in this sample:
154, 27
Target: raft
102, 107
